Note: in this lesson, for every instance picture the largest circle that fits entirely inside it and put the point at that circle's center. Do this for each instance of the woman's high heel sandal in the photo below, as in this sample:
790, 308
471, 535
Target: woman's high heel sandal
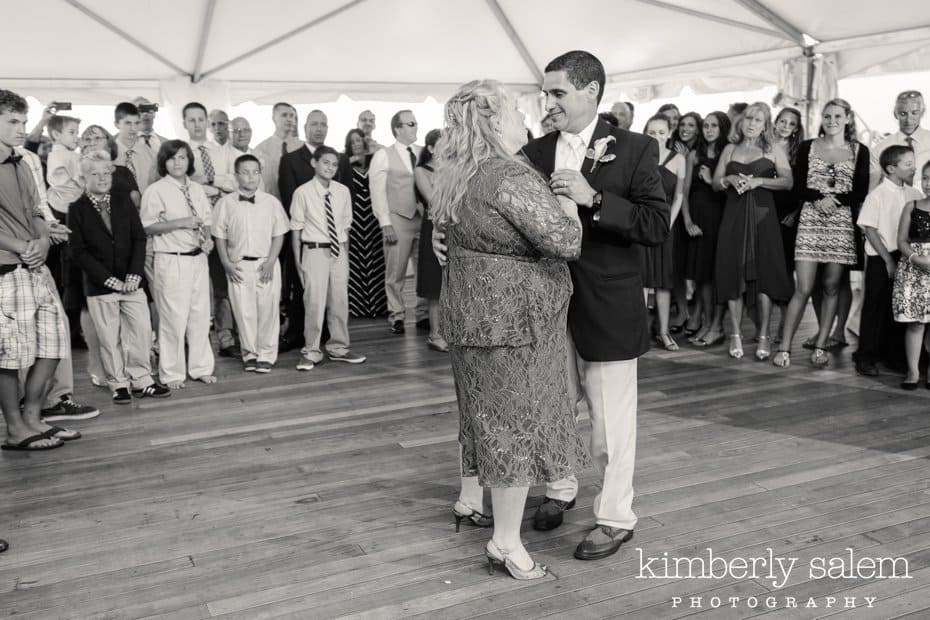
764, 350
496, 555
736, 346
461, 511
668, 342
820, 358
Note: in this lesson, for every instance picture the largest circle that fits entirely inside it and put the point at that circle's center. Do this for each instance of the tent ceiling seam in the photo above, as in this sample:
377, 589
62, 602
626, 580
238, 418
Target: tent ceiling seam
204, 37
776, 20
716, 18
284, 37
515, 38
125, 35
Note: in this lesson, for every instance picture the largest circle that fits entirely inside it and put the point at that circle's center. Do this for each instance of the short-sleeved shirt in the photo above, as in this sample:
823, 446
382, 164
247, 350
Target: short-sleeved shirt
18, 204
882, 210
35, 166
308, 211
249, 228
64, 178
164, 201
920, 142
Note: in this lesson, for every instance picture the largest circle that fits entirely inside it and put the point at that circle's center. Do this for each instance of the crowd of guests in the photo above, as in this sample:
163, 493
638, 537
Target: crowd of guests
761, 215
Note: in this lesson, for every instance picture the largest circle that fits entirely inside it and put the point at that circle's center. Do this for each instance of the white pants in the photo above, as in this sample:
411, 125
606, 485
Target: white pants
124, 330
326, 292
611, 393
255, 306
396, 258
182, 296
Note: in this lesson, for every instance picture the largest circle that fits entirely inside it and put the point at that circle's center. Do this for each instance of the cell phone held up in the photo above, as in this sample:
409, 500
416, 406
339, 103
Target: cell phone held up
148, 107
61, 105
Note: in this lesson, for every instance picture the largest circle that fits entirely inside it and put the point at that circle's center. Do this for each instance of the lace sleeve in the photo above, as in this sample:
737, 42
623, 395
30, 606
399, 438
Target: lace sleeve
526, 202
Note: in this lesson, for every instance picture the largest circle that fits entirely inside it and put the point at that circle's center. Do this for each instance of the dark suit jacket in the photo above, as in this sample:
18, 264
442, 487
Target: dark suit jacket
296, 168
607, 314
101, 254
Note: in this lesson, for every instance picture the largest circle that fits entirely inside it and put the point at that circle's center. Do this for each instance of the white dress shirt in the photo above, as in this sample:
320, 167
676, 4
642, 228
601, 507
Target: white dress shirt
164, 201
377, 178
308, 211
222, 180
920, 140
570, 148
249, 228
882, 211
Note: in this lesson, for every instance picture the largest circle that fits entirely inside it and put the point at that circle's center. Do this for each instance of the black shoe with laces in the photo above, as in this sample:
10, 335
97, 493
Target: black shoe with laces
67, 409
122, 396
397, 327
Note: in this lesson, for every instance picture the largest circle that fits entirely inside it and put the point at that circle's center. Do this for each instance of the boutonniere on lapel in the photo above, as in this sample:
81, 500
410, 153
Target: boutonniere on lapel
598, 153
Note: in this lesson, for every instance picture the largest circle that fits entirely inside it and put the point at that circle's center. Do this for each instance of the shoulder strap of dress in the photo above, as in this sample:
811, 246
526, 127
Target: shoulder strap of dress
669, 157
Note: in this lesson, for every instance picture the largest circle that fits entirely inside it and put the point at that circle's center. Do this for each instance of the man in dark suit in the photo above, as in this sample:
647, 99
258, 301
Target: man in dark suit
612, 175
296, 168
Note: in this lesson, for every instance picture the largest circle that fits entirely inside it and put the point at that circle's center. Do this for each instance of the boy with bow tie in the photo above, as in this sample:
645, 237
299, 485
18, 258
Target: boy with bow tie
249, 226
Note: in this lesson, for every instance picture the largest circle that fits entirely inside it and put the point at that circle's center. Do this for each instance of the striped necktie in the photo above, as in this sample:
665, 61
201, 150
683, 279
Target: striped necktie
129, 163
200, 238
331, 228
208, 170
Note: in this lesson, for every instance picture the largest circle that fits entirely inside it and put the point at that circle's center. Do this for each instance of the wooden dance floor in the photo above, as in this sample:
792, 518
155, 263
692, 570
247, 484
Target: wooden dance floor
328, 494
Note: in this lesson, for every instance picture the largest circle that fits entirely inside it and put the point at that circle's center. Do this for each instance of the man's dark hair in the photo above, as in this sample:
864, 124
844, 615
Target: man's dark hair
892, 155
630, 105
581, 68
322, 150
11, 102
168, 150
739, 107
243, 159
124, 109
57, 123
193, 105
395, 120
281, 104
609, 118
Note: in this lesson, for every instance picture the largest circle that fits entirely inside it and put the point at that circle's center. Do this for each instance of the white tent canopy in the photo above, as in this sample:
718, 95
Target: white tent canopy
228, 51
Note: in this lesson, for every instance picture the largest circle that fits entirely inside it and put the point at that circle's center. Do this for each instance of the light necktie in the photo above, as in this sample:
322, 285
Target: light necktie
129, 163
331, 227
199, 238
413, 158
102, 205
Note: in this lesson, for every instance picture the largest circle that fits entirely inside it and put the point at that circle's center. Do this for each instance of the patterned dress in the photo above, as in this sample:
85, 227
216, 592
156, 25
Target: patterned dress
504, 305
827, 237
911, 294
367, 297
749, 252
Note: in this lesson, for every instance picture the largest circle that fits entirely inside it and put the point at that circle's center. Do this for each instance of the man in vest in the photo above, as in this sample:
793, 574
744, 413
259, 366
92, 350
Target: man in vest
394, 203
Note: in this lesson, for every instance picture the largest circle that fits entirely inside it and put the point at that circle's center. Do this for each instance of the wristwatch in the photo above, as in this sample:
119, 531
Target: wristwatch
596, 200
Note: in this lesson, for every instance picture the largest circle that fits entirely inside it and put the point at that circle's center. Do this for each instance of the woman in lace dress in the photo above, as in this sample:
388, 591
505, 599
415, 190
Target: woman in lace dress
832, 180
505, 295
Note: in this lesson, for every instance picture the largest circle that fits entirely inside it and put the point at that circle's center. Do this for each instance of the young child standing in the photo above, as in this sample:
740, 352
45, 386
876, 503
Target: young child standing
249, 226
176, 214
879, 339
64, 164
321, 216
911, 296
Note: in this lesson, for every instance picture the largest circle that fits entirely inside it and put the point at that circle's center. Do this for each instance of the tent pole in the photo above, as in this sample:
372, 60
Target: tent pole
716, 18
204, 36
775, 20
515, 39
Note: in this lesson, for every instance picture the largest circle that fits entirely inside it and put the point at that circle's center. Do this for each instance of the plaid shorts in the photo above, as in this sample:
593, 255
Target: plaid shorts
31, 319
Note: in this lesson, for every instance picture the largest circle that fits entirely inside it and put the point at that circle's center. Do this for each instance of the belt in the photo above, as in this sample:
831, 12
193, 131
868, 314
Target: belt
5, 269
196, 252
251, 258
313, 244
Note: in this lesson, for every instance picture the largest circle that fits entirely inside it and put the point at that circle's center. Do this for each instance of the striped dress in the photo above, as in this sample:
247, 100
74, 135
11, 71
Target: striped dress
367, 297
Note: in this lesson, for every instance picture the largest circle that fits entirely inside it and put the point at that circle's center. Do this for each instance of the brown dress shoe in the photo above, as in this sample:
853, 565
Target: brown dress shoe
601, 542
549, 514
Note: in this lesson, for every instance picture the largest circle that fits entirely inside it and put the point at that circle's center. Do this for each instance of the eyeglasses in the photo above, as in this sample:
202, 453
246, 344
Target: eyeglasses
407, 124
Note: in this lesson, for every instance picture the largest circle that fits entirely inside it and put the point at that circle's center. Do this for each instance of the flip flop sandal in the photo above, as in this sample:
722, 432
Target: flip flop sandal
56, 432
26, 445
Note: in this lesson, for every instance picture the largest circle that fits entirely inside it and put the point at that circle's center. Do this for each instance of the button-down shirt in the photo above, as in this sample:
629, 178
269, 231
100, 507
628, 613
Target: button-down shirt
920, 140
377, 178
249, 228
18, 200
219, 157
882, 210
570, 148
64, 178
164, 201
144, 162
269, 151
308, 211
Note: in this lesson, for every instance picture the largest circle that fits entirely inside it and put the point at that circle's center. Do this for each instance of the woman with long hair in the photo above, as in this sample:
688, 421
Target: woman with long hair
832, 179
504, 306
429, 273
750, 263
701, 215
367, 297
789, 133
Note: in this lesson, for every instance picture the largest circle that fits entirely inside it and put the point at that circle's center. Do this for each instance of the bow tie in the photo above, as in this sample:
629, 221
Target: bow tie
247, 199
12, 159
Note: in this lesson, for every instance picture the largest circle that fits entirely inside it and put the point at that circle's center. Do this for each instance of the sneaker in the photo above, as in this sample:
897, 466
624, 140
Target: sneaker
122, 396
305, 364
67, 409
349, 358
156, 390
250, 365
97, 381
397, 327
263, 367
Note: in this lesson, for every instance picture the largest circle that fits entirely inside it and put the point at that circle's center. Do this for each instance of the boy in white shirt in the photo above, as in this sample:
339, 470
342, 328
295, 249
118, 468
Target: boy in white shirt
321, 216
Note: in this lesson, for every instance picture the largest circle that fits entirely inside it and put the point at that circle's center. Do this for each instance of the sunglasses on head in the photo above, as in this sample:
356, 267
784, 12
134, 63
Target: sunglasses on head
910, 94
